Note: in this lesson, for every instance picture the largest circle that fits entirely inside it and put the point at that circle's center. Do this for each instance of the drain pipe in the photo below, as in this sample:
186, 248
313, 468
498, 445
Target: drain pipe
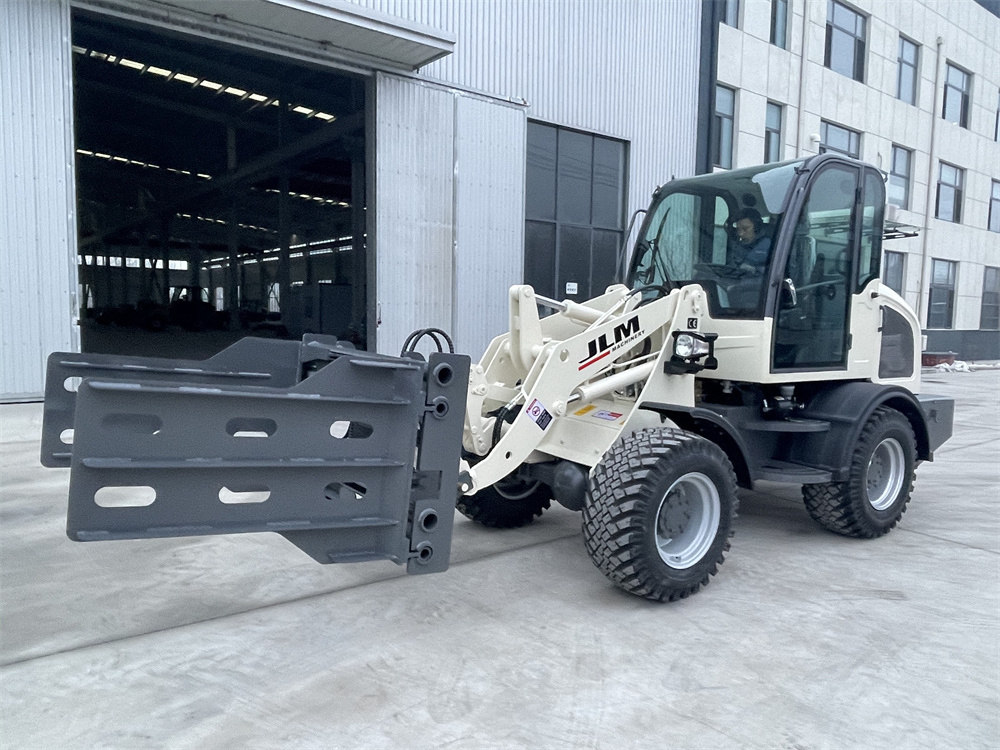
922, 299
803, 66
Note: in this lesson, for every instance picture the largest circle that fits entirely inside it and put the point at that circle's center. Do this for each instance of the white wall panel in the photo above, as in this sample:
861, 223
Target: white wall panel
414, 226
37, 233
489, 215
449, 205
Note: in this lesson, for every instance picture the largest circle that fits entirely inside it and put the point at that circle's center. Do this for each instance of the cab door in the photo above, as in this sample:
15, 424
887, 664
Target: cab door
866, 310
812, 319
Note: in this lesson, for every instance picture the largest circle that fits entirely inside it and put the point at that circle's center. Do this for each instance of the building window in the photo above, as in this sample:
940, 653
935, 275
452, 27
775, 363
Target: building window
906, 78
845, 41
989, 313
899, 176
725, 114
839, 139
949, 193
574, 211
996, 122
731, 13
772, 133
892, 270
957, 85
994, 224
941, 303
779, 23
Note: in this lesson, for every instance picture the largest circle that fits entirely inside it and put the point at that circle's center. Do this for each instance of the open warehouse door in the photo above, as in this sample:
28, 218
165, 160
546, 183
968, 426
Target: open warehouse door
220, 192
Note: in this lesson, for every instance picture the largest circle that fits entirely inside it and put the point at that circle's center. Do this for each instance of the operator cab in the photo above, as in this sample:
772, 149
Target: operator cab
791, 243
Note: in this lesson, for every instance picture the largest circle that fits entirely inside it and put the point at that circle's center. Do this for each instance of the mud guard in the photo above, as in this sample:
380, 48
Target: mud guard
349, 455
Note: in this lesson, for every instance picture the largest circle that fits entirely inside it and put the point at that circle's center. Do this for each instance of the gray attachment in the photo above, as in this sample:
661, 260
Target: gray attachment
356, 461
250, 361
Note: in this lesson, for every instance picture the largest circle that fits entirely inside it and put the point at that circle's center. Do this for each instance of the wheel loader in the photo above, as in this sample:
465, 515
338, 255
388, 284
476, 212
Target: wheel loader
644, 408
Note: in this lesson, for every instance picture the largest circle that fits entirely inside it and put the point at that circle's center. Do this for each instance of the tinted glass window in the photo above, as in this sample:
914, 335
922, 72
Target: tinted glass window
941, 297
725, 111
812, 331
956, 96
845, 41
772, 133
575, 199
949, 193
899, 177
892, 271
873, 209
906, 81
989, 317
840, 140
779, 23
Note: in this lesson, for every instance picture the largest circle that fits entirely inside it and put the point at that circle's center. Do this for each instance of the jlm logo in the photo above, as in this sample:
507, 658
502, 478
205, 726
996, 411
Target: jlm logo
600, 347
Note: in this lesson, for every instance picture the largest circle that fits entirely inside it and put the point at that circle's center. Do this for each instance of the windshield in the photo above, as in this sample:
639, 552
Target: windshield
717, 230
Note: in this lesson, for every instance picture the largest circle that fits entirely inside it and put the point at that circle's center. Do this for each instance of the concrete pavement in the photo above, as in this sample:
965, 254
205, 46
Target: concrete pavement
804, 639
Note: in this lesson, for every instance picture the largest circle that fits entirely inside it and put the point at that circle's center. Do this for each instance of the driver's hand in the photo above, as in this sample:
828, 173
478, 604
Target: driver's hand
747, 267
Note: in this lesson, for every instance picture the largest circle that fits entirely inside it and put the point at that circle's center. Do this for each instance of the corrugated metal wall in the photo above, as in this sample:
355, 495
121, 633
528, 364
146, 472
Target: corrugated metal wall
624, 68
414, 210
449, 186
37, 232
448, 246
489, 215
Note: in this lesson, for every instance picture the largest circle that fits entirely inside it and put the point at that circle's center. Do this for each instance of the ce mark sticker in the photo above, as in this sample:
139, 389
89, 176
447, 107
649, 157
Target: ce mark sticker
692, 324
538, 414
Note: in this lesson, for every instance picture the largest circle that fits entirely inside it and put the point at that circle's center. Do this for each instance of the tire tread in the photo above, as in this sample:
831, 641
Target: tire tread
838, 506
618, 502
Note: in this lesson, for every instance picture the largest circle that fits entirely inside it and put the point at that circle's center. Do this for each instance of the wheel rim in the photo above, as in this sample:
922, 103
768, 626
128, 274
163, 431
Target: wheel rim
885, 475
687, 520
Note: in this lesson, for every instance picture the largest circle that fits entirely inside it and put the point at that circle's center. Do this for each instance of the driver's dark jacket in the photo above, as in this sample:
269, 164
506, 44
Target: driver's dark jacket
756, 253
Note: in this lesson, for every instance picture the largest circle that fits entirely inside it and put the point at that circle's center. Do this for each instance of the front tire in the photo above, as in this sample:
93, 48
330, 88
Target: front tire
508, 504
874, 498
660, 513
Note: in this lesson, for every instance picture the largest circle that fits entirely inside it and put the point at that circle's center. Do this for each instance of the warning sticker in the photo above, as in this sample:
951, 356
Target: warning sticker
611, 416
538, 414
584, 410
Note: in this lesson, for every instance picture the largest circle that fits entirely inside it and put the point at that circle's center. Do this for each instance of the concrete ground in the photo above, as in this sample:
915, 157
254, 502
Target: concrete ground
804, 640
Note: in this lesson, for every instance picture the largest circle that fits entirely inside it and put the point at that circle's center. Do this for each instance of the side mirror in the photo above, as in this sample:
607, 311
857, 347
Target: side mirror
789, 297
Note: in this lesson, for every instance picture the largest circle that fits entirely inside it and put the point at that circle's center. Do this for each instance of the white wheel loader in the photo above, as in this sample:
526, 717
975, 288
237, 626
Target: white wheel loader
728, 357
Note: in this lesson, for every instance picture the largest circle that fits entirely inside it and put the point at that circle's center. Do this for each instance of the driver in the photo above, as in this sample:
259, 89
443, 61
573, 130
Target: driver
753, 248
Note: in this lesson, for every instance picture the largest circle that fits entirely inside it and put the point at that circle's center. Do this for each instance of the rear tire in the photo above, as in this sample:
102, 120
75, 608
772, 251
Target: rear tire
874, 498
508, 504
660, 513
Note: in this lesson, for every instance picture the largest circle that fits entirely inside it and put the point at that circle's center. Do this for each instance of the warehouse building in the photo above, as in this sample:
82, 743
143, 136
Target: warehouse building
912, 87
363, 168
181, 173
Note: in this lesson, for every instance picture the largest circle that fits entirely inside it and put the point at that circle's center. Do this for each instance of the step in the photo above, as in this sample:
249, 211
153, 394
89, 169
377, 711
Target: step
787, 425
783, 471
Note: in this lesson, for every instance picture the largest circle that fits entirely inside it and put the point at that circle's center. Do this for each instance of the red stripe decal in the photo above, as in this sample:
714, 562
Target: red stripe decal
595, 359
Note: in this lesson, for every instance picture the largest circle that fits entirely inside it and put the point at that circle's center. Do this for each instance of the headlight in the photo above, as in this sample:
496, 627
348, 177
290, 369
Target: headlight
687, 346
693, 352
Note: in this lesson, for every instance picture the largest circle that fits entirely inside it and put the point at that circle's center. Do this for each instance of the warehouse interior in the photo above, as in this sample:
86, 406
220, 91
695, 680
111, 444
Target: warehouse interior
220, 192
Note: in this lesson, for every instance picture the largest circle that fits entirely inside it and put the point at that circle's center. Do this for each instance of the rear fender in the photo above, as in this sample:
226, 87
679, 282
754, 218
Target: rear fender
848, 406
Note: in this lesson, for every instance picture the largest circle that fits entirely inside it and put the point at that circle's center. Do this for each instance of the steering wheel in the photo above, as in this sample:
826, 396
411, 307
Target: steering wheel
722, 271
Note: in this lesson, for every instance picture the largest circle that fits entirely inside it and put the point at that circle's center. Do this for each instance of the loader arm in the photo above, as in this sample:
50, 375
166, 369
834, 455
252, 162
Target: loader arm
560, 374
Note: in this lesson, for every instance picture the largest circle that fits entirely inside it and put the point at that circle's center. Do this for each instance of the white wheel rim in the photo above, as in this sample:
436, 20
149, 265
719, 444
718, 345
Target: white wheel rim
687, 520
885, 475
